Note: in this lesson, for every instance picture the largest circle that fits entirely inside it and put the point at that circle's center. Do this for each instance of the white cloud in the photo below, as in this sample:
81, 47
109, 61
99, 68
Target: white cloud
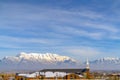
20, 42
58, 24
106, 27
23, 40
84, 51
73, 31
27, 17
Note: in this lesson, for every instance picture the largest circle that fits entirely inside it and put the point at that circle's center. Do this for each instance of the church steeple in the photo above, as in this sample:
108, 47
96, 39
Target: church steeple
87, 64
87, 69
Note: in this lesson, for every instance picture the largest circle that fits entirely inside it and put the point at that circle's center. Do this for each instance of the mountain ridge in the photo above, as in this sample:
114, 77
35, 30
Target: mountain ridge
37, 61
30, 61
108, 60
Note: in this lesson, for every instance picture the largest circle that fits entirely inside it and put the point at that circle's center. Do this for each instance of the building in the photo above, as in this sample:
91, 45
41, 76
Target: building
33, 76
67, 73
53, 74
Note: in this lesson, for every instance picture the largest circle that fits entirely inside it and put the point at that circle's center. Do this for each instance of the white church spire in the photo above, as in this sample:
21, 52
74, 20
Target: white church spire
87, 64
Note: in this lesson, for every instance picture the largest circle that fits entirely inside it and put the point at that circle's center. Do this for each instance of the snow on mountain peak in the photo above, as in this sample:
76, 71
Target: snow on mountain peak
47, 56
106, 63
110, 58
36, 61
37, 58
27, 55
107, 60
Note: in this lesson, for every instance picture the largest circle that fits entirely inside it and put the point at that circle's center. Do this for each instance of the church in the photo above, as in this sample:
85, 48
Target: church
54, 74
67, 73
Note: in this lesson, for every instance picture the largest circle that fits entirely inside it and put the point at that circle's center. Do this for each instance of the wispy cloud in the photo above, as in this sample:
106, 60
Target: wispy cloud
27, 16
24, 40
74, 31
106, 27
84, 51
29, 20
29, 25
20, 42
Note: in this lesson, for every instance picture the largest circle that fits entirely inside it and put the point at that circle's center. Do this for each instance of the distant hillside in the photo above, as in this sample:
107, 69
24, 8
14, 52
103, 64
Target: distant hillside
36, 61
107, 63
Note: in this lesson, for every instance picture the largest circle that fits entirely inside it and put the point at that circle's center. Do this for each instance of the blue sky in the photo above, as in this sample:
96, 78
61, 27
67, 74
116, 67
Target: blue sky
77, 28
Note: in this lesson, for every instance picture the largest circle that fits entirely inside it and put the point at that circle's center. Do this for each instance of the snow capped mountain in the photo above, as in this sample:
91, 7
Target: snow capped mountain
44, 58
35, 61
107, 63
106, 60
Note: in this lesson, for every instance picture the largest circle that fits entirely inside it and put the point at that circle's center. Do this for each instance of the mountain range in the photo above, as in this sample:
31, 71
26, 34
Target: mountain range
37, 61
107, 63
